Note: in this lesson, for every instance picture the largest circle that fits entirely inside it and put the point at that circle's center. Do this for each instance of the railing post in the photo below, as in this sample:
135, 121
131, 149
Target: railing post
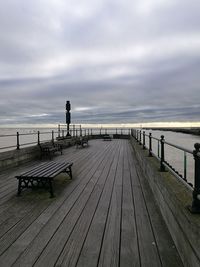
195, 208
18, 140
150, 145
158, 148
52, 136
137, 135
132, 132
140, 141
73, 130
162, 159
38, 135
185, 166
143, 139
58, 130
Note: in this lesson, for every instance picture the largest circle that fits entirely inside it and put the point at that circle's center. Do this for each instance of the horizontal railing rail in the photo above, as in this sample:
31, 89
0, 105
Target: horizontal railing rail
141, 137
19, 140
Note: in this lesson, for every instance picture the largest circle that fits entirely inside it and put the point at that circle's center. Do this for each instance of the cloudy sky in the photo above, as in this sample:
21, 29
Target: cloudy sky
117, 61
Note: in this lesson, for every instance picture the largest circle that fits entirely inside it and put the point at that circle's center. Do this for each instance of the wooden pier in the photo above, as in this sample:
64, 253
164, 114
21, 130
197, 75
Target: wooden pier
105, 216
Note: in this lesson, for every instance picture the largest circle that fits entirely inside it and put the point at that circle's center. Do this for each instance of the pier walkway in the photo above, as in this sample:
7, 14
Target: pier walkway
105, 216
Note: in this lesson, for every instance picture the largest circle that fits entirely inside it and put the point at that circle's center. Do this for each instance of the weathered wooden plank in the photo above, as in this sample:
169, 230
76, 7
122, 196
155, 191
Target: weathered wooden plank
29, 234
166, 248
109, 255
129, 250
13, 233
35, 248
14, 214
146, 239
54, 248
101, 218
74, 245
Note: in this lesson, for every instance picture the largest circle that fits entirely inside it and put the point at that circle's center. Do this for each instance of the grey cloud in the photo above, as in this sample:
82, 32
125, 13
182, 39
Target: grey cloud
127, 66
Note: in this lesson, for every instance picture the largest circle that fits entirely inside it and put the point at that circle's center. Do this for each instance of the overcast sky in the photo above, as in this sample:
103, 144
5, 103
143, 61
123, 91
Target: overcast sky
117, 61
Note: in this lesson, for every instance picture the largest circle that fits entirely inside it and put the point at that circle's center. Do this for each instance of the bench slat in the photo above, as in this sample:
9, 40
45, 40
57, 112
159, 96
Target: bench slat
36, 168
46, 171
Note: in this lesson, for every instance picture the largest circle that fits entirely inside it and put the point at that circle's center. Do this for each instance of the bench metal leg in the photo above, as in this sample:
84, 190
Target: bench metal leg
69, 171
19, 187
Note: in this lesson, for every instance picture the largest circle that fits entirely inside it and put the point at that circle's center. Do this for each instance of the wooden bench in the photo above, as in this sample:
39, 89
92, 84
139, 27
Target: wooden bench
107, 137
42, 175
81, 141
49, 149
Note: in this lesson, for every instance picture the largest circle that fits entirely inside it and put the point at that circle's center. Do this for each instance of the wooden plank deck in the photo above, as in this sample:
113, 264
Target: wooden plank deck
105, 216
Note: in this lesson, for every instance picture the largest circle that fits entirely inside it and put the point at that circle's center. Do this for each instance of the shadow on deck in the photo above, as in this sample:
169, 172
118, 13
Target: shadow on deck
105, 216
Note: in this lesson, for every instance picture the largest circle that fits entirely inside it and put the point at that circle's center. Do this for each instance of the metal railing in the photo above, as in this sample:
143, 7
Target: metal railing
78, 130
146, 141
19, 140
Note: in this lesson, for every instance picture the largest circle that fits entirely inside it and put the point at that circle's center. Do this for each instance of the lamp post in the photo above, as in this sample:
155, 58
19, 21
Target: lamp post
68, 116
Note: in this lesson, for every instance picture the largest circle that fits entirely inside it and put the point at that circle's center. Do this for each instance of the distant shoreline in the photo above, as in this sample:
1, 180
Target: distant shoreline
193, 131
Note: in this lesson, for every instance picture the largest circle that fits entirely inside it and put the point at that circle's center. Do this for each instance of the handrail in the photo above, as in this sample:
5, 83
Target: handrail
75, 131
179, 147
195, 207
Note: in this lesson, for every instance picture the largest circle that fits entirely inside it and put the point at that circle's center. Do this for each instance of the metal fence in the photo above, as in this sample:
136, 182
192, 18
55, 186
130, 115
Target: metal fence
18, 140
157, 147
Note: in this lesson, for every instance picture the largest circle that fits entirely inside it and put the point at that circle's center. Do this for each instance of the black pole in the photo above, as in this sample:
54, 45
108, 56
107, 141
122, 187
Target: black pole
18, 140
38, 134
150, 145
195, 208
68, 116
144, 140
162, 159
140, 141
